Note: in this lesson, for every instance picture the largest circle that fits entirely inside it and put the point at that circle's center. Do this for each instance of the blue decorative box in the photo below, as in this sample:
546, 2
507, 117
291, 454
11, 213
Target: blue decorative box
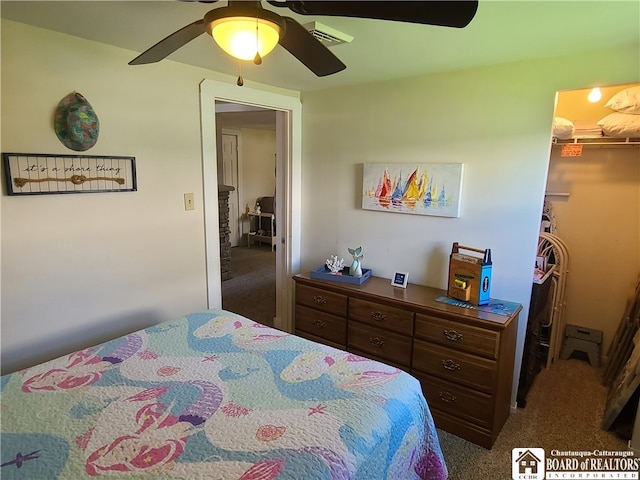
323, 273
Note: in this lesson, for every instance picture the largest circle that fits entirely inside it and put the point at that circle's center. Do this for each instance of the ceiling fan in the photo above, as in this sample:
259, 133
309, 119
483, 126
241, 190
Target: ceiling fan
291, 35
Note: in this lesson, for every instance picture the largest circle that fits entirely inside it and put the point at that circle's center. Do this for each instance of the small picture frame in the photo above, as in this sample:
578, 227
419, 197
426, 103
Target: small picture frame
400, 279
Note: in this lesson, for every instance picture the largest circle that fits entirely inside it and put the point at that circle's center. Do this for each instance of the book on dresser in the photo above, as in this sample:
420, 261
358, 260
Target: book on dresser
463, 357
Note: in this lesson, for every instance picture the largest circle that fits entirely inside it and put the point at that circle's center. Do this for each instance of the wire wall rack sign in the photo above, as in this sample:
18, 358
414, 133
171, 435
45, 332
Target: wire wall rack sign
37, 174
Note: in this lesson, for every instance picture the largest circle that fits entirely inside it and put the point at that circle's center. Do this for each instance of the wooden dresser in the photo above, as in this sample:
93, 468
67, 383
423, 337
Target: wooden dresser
463, 357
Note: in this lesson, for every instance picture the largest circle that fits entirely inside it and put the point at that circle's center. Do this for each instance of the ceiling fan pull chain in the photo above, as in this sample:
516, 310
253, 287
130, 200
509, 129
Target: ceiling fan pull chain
257, 59
240, 81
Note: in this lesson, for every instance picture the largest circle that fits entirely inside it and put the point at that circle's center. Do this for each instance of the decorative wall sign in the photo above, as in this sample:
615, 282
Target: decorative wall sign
420, 189
35, 173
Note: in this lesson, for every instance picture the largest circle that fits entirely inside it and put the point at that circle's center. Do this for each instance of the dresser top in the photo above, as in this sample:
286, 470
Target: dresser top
420, 297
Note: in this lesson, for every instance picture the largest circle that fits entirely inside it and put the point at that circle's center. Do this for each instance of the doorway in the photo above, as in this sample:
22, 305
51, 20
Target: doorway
246, 137
288, 163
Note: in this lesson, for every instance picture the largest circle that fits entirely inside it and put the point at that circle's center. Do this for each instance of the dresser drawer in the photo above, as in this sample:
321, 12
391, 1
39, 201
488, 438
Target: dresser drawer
378, 359
380, 343
457, 400
383, 316
313, 338
320, 324
459, 367
329, 302
465, 337
464, 429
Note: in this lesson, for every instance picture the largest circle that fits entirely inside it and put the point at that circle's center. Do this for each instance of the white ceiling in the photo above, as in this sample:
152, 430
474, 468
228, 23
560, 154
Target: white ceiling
502, 31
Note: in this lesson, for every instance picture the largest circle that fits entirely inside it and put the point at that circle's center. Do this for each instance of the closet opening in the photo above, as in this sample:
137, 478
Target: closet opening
590, 230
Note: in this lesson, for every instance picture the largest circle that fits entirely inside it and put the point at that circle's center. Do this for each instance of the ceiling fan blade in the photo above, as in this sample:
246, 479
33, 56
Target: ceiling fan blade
170, 44
306, 48
443, 13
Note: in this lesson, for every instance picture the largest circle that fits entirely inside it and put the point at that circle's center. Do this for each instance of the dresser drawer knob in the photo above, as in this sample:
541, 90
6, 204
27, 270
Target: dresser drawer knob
378, 317
453, 335
450, 365
447, 397
319, 299
319, 324
376, 342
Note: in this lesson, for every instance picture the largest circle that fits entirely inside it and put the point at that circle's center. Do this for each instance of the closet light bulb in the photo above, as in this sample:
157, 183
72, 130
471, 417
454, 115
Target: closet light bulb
595, 95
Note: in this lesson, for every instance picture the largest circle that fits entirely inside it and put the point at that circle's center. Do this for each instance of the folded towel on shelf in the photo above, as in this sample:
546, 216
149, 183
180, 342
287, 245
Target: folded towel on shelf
586, 129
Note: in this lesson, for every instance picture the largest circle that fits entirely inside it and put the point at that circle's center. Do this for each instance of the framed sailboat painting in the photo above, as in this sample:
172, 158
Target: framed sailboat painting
419, 189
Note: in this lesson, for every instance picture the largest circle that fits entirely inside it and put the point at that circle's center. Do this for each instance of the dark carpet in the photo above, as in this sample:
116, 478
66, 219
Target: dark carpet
251, 291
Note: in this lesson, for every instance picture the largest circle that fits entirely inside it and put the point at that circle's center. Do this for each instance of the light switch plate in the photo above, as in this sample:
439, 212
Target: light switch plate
188, 201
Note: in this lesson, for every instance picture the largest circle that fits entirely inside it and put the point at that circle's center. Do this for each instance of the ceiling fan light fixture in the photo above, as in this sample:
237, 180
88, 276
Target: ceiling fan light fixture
237, 36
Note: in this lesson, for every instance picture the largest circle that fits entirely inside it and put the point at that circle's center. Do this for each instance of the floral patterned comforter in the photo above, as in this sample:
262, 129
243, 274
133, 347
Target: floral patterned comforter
214, 395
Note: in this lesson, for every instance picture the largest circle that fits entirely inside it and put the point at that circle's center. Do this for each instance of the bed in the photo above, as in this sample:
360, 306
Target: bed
214, 395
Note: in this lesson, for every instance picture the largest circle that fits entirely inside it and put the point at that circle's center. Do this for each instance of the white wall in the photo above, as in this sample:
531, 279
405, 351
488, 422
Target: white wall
258, 164
79, 269
496, 120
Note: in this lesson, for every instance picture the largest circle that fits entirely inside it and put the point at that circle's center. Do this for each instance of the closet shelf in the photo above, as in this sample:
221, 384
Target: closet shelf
598, 142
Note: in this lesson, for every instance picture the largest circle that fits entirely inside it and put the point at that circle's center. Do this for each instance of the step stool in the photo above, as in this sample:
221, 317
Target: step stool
582, 339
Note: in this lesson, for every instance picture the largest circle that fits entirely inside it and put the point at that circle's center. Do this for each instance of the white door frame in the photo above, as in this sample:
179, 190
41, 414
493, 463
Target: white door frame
288, 206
